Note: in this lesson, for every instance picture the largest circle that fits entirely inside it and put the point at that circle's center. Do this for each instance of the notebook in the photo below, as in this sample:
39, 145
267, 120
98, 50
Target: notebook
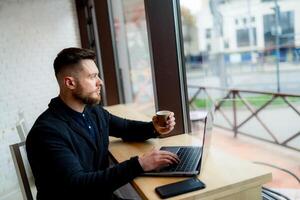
191, 158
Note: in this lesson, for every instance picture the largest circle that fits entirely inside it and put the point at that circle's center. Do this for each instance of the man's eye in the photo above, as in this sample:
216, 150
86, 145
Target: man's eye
94, 76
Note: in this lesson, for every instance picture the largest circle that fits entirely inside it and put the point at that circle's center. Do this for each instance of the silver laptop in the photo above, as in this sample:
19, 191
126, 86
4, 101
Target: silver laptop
191, 158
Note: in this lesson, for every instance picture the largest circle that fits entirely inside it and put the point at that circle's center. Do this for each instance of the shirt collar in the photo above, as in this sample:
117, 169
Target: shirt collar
59, 104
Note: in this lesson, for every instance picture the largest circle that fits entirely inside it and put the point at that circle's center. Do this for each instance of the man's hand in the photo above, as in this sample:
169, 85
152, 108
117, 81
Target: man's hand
157, 159
168, 128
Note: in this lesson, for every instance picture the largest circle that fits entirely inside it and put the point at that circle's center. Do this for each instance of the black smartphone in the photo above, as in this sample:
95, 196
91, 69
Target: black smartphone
180, 187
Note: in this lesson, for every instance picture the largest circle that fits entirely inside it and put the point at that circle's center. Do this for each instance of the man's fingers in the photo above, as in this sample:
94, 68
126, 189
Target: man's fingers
170, 156
171, 125
163, 152
171, 115
166, 161
166, 129
170, 120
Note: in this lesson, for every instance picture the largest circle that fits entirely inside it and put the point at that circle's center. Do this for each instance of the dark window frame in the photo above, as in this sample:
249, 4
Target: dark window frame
166, 53
95, 32
166, 49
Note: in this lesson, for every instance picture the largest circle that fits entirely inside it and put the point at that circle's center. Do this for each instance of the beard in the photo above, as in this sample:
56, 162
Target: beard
89, 98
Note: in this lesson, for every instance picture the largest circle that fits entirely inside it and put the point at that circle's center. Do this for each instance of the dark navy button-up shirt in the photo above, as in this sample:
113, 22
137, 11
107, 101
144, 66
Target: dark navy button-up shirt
84, 121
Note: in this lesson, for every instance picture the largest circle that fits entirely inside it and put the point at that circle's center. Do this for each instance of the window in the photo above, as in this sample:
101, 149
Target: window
236, 22
208, 47
248, 52
208, 33
132, 51
243, 37
226, 44
245, 21
286, 29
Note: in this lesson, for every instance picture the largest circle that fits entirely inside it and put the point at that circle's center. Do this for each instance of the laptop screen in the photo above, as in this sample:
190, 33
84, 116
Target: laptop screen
207, 135
192, 158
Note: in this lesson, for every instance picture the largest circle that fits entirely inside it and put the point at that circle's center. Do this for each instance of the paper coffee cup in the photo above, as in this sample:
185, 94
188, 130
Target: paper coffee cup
162, 117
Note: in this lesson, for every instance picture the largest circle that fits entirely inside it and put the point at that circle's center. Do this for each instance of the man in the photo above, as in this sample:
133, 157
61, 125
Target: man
67, 146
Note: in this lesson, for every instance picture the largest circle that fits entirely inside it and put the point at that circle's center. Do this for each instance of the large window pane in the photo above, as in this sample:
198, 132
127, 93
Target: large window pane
132, 50
252, 46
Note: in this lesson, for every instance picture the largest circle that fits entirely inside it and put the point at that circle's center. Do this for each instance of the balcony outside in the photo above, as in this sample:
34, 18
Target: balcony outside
248, 45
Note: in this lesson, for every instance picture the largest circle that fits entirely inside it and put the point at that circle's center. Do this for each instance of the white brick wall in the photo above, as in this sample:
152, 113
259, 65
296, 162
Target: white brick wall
31, 34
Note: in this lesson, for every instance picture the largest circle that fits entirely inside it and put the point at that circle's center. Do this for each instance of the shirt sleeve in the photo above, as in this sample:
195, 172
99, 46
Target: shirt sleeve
130, 130
50, 156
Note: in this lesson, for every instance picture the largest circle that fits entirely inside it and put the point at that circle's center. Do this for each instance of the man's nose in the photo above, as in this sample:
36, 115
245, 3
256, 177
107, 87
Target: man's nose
99, 81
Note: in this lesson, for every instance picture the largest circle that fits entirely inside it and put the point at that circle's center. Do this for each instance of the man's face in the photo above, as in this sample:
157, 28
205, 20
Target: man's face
88, 83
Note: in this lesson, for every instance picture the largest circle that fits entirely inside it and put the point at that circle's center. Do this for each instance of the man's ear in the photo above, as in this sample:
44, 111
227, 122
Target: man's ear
70, 82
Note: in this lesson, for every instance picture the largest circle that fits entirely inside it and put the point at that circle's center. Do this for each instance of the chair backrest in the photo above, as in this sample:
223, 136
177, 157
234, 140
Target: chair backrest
24, 174
21, 127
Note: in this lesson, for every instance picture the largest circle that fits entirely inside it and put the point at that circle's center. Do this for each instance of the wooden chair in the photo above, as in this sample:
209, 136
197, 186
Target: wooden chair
21, 127
24, 174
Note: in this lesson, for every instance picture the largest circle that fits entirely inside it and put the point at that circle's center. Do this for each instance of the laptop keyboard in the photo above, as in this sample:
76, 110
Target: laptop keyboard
188, 159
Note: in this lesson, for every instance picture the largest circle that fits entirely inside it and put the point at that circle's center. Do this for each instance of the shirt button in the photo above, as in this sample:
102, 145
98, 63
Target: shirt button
83, 115
90, 127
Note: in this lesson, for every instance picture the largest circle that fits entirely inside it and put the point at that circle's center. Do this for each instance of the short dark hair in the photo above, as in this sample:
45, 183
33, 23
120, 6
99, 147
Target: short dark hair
70, 56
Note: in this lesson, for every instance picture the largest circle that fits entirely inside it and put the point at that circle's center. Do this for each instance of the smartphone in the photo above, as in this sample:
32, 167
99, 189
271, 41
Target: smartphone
180, 187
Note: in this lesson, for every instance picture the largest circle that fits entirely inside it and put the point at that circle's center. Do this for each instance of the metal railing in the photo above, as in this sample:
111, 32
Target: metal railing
234, 96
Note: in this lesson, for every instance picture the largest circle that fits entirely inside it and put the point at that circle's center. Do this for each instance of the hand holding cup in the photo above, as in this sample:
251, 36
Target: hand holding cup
164, 121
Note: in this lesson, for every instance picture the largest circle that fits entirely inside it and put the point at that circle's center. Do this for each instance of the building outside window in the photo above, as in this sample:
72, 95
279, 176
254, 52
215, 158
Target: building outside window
241, 54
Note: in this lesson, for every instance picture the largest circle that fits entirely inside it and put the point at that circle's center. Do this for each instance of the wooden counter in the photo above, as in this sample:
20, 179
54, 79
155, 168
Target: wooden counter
225, 176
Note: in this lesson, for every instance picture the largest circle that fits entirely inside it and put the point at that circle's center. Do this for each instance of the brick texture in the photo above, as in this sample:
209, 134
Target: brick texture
31, 34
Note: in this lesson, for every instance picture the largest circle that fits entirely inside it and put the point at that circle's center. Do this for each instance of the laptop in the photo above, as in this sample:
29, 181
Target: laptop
192, 158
